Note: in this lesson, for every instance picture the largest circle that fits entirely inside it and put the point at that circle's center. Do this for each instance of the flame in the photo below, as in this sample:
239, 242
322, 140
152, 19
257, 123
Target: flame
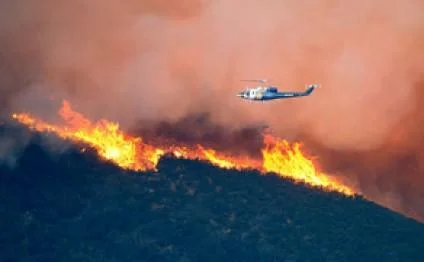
133, 153
282, 158
110, 142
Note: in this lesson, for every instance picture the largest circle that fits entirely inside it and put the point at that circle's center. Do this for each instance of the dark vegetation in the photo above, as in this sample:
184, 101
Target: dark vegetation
74, 207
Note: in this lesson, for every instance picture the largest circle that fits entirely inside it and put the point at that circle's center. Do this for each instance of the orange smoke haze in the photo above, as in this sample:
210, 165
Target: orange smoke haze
144, 63
152, 60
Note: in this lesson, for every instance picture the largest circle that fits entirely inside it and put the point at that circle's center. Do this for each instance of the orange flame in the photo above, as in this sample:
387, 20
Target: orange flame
110, 142
132, 153
282, 158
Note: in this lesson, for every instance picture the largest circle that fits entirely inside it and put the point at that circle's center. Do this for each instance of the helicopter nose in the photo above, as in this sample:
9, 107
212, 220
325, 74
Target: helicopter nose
240, 94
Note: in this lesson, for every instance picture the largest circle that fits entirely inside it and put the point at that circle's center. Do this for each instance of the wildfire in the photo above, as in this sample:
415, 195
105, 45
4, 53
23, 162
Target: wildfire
133, 153
282, 158
110, 142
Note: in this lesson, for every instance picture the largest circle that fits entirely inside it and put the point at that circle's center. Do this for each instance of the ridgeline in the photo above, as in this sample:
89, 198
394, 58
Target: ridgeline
74, 207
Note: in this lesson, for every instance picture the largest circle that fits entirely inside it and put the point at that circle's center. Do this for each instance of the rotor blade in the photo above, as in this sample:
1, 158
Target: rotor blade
254, 80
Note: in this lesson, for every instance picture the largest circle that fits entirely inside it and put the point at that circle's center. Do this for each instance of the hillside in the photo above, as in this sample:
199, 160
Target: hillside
73, 207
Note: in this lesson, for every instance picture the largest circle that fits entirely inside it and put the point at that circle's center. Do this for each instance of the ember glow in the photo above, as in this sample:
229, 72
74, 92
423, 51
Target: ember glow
128, 152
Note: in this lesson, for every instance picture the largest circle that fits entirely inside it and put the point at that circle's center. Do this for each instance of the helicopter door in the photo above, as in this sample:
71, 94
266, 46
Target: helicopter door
252, 93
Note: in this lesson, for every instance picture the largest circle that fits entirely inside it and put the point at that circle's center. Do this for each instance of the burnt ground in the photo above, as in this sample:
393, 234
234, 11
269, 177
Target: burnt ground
74, 207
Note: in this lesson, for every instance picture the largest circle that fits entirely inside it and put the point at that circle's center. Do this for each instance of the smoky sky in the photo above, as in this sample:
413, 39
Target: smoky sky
151, 62
199, 129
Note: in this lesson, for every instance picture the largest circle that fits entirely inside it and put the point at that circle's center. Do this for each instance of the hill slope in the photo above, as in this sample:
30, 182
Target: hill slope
73, 207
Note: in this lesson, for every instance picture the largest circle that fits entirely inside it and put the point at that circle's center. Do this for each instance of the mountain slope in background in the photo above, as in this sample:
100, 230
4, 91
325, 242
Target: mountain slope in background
74, 207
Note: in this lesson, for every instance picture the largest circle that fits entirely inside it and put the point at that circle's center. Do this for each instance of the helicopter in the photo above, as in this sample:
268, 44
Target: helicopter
264, 92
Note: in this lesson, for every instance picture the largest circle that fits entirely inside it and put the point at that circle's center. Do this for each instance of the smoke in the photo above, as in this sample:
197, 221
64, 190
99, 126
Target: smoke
13, 142
154, 62
391, 173
199, 129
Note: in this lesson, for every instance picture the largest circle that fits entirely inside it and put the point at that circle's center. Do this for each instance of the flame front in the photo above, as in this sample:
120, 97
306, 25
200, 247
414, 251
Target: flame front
132, 153
110, 142
289, 161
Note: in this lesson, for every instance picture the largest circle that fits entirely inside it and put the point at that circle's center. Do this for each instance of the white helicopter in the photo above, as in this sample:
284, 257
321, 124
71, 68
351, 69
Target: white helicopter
267, 92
